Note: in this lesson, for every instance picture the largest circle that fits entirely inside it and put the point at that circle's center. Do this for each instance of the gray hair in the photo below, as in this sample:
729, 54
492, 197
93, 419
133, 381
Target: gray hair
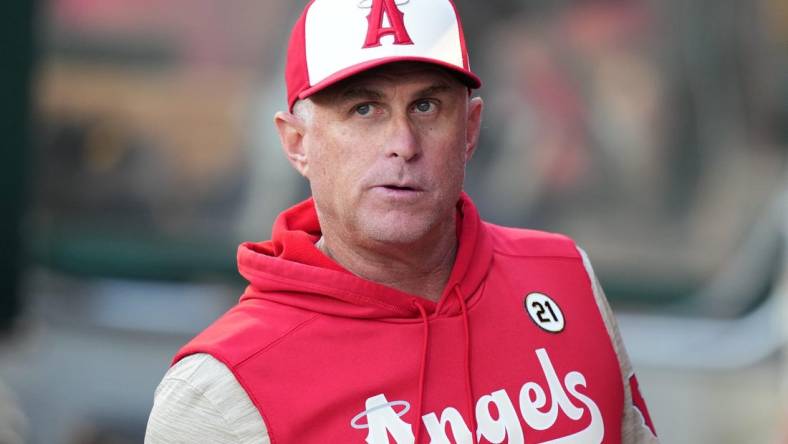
304, 109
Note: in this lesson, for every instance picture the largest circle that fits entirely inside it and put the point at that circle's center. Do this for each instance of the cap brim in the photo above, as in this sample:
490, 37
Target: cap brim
466, 76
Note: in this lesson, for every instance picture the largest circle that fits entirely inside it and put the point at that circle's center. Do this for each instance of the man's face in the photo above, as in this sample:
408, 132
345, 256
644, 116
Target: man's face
385, 153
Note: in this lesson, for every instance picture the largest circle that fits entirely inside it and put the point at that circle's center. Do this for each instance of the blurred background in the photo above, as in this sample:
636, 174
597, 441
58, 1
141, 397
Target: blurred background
139, 152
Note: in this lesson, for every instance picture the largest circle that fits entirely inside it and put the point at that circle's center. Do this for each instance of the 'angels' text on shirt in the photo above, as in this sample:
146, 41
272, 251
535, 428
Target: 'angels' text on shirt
384, 417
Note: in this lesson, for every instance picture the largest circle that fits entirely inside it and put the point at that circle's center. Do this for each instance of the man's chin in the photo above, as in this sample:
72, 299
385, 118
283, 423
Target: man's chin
396, 227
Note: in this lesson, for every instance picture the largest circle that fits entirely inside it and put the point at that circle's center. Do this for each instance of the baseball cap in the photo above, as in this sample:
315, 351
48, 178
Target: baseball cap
336, 39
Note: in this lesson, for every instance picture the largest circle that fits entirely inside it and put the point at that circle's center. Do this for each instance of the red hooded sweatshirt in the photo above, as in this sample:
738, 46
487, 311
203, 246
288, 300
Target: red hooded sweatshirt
514, 351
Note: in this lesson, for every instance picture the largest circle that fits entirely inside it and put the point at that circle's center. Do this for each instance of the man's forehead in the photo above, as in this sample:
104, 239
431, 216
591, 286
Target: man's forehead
425, 75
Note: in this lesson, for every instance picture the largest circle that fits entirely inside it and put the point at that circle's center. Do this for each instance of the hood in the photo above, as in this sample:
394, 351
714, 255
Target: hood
290, 270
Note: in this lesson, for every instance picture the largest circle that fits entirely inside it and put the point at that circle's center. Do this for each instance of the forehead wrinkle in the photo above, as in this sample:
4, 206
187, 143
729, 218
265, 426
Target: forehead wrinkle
370, 93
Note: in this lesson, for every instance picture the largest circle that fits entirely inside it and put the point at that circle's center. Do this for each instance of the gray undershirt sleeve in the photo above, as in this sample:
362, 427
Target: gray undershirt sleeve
200, 401
633, 427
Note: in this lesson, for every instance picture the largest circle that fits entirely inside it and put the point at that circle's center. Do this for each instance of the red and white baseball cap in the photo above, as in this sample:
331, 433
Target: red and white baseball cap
335, 39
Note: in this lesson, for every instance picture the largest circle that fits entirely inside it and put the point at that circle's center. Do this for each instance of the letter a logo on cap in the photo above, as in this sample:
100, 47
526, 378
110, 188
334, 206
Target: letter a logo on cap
396, 24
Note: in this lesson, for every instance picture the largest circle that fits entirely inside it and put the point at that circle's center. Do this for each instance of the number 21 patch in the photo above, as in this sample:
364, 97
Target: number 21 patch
544, 312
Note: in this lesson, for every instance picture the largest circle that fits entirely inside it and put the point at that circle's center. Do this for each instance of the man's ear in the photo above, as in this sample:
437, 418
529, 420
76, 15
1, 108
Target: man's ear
292, 129
474, 125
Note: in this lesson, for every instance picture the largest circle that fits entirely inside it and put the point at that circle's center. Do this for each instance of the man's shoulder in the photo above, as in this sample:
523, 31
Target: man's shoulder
524, 242
249, 328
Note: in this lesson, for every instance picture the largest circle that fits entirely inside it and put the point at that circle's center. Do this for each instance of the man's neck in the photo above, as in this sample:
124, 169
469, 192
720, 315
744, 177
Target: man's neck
421, 269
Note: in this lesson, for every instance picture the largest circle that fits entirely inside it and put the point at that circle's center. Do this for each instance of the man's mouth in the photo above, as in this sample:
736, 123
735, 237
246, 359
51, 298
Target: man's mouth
400, 191
400, 188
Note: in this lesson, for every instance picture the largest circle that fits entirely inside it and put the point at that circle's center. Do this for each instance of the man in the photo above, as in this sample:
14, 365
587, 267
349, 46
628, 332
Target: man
383, 309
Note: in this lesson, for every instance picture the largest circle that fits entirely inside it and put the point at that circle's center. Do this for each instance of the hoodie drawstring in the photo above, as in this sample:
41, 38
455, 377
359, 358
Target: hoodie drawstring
423, 367
468, 383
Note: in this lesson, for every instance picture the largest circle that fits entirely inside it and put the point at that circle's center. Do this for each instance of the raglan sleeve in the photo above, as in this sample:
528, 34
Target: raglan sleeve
200, 401
636, 426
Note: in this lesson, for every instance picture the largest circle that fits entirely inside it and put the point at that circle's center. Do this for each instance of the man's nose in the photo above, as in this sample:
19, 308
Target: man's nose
403, 140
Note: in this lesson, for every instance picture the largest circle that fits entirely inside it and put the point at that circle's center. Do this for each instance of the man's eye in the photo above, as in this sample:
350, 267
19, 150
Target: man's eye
363, 109
424, 106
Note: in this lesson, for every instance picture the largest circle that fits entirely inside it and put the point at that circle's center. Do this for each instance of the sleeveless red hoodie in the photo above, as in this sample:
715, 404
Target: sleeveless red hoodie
328, 357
